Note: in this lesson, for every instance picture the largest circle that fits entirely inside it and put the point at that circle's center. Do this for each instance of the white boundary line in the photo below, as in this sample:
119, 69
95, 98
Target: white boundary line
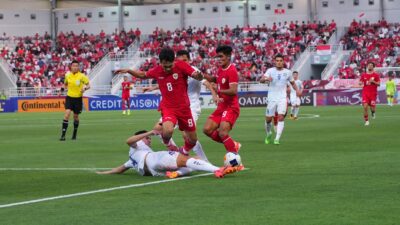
52, 169
308, 116
100, 191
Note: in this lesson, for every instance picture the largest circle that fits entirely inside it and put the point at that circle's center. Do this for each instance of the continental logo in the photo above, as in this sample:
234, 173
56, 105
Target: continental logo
26, 106
41, 105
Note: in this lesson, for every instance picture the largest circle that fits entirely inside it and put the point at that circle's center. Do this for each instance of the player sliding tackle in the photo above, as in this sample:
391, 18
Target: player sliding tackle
172, 79
277, 78
172, 164
194, 88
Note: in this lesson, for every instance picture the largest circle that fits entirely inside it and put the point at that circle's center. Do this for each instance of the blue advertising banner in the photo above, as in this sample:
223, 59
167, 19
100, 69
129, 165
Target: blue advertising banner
9, 105
113, 102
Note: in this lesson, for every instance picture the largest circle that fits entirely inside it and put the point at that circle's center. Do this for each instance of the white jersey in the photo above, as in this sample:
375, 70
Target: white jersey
278, 85
299, 85
137, 157
194, 89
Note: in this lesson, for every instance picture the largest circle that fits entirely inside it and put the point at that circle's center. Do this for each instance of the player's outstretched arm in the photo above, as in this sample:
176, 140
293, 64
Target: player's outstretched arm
212, 90
198, 75
210, 78
298, 91
131, 141
233, 89
135, 73
116, 170
152, 88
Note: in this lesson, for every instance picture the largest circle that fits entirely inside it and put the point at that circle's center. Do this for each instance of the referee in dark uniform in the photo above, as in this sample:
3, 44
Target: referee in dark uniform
76, 83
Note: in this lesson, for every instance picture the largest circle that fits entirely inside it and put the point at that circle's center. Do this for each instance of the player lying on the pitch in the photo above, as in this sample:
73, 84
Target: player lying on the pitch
172, 164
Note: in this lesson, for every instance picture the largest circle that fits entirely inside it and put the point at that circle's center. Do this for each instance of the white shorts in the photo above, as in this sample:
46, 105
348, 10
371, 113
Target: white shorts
160, 162
276, 106
195, 113
294, 100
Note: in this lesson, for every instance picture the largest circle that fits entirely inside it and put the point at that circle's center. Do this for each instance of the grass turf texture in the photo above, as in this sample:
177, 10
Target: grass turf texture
327, 170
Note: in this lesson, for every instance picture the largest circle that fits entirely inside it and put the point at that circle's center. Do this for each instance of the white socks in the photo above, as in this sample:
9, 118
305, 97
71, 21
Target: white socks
296, 111
268, 127
279, 131
198, 150
198, 164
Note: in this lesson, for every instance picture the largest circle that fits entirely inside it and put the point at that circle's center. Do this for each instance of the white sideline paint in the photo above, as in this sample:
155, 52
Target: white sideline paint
52, 169
100, 191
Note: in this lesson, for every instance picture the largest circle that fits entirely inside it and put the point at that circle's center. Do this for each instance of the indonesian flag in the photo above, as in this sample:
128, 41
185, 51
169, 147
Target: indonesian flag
279, 11
324, 49
361, 15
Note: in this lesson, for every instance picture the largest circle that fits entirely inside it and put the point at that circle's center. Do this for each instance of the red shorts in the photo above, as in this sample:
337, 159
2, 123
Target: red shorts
181, 116
369, 98
225, 114
125, 97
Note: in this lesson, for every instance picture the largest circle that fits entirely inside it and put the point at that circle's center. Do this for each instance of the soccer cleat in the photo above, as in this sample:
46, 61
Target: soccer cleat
268, 139
276, 142
129, 112
73, 138
237, 146
171, 174
232, 169
62, 138
123, 112
367, 123
295, 118
219, 173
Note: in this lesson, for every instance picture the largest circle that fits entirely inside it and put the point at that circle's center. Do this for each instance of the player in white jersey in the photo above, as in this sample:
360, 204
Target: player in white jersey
277, 78
146, 162
194, 89
295, 100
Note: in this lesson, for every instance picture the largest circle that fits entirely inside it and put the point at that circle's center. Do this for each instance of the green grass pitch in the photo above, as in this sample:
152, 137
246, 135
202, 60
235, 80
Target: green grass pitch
327, 170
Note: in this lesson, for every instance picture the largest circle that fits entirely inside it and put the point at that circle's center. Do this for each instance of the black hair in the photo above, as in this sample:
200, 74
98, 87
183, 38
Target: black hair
141, 132
278, 56
373, 64
183, 52
74, 61
295, 72
225, 49
167, 54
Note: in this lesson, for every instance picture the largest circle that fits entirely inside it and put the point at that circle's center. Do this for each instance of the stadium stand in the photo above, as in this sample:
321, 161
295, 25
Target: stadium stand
372, 42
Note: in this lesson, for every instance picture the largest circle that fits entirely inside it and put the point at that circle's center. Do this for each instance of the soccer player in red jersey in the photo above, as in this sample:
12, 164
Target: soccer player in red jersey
222, 120
370, 82
172, 79
126, 87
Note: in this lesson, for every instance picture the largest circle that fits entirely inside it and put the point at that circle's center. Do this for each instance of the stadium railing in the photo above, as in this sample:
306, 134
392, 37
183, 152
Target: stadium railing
7, 69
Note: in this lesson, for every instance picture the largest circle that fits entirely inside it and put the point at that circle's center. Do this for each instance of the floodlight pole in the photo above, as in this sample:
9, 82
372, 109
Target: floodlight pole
120, 16
53, 23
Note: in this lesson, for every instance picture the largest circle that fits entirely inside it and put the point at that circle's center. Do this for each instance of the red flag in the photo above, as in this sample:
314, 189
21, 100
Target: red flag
361, 15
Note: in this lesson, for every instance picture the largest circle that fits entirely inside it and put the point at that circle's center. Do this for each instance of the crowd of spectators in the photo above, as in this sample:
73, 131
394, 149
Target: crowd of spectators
40, 62
254, 47
372, 42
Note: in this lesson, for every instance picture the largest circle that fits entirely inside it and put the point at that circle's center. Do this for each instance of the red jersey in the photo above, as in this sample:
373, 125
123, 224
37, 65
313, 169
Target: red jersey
368, 87
224, 78
126, 88
173, 86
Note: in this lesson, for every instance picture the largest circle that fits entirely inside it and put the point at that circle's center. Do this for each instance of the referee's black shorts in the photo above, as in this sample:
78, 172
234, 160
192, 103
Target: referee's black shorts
74, 104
